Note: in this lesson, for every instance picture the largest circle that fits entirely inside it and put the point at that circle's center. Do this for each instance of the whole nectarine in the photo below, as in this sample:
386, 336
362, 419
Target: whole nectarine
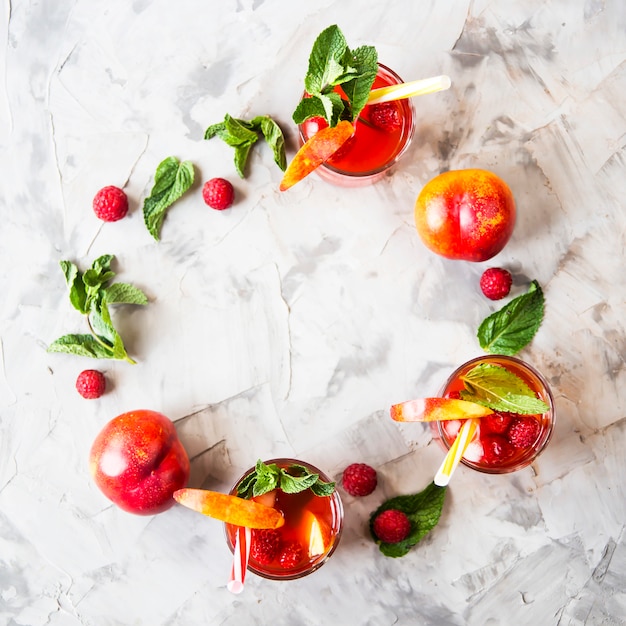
138, 462
465, 214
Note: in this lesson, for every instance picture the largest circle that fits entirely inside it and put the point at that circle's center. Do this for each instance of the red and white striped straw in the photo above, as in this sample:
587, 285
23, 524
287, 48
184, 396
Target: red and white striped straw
243, 538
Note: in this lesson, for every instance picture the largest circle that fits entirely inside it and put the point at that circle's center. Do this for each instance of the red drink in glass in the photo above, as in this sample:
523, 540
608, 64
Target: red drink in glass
371, 151
494, 448
314, 522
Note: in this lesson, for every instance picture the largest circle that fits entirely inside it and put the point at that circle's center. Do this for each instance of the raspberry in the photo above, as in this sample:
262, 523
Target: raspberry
359, 479
91, 384
265, 545
218, 193
453, 395
385, 116
523, 431
291, 555
496, 449
110, 204
496, 283
496, 423
392, 526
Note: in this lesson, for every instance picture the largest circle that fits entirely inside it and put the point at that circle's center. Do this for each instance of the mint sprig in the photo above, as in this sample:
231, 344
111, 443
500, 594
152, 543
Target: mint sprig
90, 294
294, 479
171, 180
243, 134
332, 63
512, 328
423, 510
499, 389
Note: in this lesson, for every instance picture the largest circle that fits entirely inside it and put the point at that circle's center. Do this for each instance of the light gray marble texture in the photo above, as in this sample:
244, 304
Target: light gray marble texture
289, 324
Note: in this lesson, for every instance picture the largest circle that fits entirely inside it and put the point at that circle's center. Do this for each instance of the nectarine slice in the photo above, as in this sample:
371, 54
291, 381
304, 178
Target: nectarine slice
230, 509
315, 151
318, 532
437, 409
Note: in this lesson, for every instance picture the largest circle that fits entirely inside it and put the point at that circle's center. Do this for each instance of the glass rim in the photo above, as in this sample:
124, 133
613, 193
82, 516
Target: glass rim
338, 508
377, 172
547, 429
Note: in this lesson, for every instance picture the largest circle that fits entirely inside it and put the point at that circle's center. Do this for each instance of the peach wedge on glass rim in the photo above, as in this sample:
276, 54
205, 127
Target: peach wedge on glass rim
230, 509
319, 148
437, 409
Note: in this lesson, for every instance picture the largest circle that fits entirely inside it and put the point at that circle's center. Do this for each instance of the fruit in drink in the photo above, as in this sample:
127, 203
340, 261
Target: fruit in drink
138, 462
465, 214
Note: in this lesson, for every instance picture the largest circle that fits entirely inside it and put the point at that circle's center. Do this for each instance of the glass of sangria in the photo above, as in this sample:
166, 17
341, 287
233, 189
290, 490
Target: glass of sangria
310, 533
383, 132
504, 441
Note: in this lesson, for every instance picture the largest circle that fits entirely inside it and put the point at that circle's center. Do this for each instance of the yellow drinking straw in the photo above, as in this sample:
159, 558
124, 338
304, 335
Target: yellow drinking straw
456, 451
408, 90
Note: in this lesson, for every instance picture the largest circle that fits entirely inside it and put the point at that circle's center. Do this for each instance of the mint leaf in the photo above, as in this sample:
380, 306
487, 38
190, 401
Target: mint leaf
171, 181
322, 489
81, 345
358, 88
243, 134
326, 61
423, 510
512, 328
74, 280
294, 479
293, 484
501, 390
123, 293
274, 137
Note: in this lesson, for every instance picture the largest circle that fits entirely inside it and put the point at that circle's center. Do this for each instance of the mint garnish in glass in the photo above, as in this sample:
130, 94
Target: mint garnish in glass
331, 64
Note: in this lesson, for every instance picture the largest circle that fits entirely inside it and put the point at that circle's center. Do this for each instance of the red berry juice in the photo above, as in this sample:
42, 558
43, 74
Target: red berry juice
504, 442
313, 522
371, 151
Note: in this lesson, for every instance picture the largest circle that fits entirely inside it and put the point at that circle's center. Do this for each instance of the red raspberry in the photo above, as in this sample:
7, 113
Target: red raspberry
392, 526
496, 283
496, 423
291, 555
453, 395
91, 384
496, 449
386, 116
110, 204
524, 431
265, 545
218, 193
359, 479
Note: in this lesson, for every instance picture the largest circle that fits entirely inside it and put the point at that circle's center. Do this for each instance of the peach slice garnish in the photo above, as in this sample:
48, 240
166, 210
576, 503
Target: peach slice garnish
230, 509
318, 532
437, 409
315, 151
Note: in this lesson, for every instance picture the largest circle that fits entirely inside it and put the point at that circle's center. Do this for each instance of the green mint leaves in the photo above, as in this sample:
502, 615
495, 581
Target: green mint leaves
91, 295
171, 181
512, 328
331, 64
501, 390
294, 479
242, 135
423, 510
